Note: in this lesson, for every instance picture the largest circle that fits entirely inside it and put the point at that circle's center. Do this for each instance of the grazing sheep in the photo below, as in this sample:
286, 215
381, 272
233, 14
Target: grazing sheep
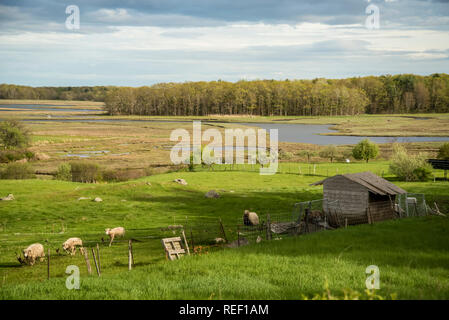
116, 232
219, 240
250, 218
181, 181
212, 194
8, 198
34, 251
70, 245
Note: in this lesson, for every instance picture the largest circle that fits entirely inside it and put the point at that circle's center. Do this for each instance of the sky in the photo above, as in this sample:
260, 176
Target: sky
136, 43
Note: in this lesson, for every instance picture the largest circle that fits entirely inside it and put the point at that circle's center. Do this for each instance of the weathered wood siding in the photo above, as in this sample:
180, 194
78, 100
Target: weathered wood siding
353, 197
381, 210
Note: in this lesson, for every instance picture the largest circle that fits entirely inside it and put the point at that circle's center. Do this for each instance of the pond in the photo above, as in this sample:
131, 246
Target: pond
288, 132
310, 133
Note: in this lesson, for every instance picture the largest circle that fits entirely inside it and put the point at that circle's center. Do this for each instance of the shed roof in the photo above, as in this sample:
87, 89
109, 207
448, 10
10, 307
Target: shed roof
369, 180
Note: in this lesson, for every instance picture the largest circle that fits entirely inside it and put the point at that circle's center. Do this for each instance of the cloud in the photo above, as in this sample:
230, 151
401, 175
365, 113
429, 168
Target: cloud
136, 43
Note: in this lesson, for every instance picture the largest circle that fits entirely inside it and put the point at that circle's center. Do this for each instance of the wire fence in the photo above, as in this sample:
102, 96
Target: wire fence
208, 235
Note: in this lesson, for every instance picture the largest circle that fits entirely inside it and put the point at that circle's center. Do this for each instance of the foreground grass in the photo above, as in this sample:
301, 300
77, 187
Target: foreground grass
412, 254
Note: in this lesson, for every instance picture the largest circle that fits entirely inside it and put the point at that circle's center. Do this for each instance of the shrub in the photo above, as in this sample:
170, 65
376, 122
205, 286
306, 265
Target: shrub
123, 175
18, 171
285, 155
365, 150
13, 135
306, 154
86, 172
29, 155
409, 167
7, 156
64, 172
443, 153
330, 152
423, 173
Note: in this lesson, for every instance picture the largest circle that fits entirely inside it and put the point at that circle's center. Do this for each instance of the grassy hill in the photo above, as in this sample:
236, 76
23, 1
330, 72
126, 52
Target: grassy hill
412, 254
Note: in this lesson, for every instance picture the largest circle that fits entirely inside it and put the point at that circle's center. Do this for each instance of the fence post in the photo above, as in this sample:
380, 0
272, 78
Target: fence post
268, 227
130, 255
306, 218
223, 230
191, 240
48, 265
185, 241
238, 236
346, 223
95, 261
86, 258
368, 216
406, 205
98, 257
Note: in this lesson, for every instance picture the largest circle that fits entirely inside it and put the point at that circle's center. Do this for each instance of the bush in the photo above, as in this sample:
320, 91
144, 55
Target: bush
443, 153
330, 152
13, 135
409, 167
123, 175
64, 172
29, 155
308, 154
423, 173
7, 156
18, 171
365, 150
86, 172
285, 155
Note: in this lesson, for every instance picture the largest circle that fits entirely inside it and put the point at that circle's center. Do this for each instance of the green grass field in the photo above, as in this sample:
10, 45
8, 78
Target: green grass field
412, 254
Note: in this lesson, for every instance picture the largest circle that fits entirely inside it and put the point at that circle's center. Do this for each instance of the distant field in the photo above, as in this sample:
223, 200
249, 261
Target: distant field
393, 125
138, 145
412, 254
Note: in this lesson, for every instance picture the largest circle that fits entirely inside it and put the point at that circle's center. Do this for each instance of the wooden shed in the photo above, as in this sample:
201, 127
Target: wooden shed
362, 197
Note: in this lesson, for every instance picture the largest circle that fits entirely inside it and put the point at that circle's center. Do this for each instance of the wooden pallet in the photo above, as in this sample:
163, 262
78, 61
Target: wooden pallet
174, 247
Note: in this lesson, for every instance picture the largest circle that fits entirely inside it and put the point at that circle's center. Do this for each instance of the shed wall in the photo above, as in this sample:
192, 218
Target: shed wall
353, 198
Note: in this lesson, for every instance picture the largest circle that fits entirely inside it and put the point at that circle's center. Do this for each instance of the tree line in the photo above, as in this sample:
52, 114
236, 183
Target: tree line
319, 97
405, 93
12, 91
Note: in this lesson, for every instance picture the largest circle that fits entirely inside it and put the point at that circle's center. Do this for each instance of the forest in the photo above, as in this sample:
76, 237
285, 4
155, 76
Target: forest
406, 93
85, 93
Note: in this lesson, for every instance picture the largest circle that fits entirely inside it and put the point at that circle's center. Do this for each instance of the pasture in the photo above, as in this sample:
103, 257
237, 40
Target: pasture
413, 252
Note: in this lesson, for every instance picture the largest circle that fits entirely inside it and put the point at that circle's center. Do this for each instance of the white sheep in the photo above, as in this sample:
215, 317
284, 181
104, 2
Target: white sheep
70, 245
250, 218
34, 251
219, 240
116, 232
